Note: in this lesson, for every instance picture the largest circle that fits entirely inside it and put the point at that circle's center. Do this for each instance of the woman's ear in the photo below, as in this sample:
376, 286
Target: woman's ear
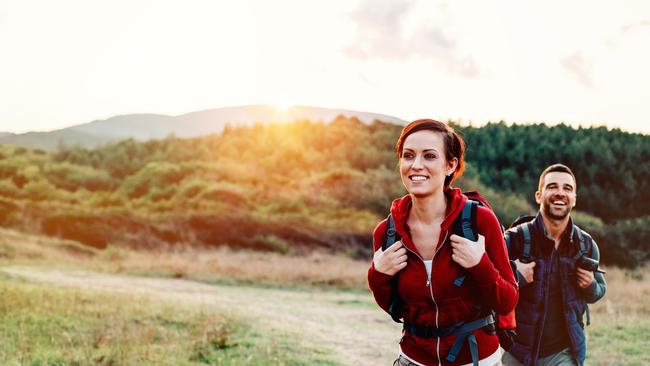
452, 165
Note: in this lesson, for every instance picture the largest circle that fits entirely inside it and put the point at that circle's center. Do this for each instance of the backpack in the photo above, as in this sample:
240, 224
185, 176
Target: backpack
525, 224
464, 225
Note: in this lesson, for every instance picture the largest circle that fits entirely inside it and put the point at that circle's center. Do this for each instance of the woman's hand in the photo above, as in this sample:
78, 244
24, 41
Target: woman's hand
392, 260
465, 252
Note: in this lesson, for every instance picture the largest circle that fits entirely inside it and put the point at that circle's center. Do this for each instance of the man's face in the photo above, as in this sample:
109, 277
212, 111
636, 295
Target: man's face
558, 195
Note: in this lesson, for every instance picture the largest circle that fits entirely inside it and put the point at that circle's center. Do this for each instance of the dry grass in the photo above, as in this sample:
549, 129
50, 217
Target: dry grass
619, 333
628, 296
620, 322
207, 264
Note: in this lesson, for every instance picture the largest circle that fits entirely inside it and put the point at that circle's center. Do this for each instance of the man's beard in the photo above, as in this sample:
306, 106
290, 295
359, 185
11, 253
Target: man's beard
550, 214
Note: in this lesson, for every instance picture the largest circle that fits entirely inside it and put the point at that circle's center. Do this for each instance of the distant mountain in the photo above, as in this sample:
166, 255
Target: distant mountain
52, 139
3, 134
156, 126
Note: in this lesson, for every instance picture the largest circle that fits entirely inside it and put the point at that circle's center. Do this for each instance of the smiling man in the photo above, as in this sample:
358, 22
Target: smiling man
549, 252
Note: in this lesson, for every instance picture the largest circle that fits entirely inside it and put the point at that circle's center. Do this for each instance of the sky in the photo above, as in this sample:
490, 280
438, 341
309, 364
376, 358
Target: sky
69, 62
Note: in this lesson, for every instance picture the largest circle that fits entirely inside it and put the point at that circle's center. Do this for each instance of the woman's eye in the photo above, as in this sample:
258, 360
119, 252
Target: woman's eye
430, 156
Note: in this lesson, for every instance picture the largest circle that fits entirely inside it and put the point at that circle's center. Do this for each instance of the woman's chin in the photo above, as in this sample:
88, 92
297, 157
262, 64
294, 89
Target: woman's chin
420, 193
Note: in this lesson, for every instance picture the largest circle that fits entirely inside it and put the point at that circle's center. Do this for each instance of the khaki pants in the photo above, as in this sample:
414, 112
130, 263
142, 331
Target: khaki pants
402, 361
562, 358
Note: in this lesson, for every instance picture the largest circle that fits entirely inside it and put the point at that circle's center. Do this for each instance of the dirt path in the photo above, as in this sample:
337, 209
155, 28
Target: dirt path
349, 325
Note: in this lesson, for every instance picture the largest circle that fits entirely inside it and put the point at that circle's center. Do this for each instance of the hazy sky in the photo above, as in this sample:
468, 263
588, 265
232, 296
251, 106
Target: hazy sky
582, 62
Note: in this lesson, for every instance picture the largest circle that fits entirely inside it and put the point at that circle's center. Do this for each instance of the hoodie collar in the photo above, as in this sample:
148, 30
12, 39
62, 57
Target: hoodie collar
401, 208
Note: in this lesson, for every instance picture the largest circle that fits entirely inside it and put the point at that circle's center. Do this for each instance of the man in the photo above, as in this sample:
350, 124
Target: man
554, 291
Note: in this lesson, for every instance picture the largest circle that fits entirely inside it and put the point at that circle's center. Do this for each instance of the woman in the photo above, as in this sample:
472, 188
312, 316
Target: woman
429, 258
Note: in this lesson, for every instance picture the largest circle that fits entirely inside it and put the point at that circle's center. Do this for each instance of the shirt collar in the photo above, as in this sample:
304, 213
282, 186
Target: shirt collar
567, 235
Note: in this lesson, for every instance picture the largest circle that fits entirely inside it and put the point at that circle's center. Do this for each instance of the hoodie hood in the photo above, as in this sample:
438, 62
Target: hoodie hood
401, 208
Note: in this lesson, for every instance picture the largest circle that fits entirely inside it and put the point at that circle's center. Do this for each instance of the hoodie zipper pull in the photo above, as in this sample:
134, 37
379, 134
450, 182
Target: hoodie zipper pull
428, 282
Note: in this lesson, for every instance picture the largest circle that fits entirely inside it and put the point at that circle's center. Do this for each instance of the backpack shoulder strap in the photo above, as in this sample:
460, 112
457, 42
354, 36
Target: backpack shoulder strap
467, 228
468, 220
526, 228
395, 304
391, 233
584, 249
582, 241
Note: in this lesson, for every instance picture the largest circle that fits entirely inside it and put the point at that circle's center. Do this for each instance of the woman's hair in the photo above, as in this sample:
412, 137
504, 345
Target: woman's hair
454, 144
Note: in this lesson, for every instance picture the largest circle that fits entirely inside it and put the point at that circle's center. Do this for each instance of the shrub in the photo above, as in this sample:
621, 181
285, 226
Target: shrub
71, 177
38, 190
155, 174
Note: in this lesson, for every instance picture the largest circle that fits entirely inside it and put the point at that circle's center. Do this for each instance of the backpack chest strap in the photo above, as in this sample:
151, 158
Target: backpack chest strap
462, 331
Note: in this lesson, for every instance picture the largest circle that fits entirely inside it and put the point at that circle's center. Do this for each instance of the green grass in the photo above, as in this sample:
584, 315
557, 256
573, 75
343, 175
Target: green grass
42, 325
619, 342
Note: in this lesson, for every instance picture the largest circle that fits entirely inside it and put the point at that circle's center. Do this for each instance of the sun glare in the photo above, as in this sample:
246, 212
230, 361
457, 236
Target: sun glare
282, 106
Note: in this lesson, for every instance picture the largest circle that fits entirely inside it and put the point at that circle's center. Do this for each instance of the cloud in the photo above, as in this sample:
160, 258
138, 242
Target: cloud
381, 34
379, 29
631, 27
432, 42
579, 68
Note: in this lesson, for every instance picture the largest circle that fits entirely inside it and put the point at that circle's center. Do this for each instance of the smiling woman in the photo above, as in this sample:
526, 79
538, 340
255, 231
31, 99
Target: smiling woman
430, 158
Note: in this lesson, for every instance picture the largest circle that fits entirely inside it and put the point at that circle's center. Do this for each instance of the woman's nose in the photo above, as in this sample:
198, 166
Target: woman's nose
417, 162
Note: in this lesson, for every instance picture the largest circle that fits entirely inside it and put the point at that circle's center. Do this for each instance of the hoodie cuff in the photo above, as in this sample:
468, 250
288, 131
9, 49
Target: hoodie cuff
376, 278
484, 272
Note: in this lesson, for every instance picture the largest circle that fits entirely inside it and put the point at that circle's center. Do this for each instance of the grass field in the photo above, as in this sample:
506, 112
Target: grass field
619, 333
221, 265
50, 326
42, 325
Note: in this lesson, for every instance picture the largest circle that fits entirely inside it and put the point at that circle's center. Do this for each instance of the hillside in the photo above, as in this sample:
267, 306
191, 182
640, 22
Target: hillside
55, 139
144, 127
294, 187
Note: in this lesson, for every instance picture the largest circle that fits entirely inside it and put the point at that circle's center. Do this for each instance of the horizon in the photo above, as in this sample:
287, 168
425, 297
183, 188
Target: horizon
69, 63
286, 108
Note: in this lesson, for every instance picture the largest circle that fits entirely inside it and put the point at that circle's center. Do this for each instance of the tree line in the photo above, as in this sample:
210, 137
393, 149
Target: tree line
295, 186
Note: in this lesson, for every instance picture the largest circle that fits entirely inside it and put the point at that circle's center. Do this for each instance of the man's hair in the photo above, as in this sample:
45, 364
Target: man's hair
555, 168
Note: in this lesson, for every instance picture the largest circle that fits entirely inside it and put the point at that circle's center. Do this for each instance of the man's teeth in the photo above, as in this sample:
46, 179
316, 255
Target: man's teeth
558, 203
418, 177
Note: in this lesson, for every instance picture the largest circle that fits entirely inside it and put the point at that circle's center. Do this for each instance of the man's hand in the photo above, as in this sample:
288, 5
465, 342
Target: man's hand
465, 252
526, 269
392, 260
585, 278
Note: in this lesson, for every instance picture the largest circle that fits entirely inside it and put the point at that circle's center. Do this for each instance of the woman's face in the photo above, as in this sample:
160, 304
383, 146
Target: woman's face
423, 165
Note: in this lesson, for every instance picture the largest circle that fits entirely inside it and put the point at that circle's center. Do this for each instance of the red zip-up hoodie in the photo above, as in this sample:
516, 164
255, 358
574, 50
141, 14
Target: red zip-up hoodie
438, 302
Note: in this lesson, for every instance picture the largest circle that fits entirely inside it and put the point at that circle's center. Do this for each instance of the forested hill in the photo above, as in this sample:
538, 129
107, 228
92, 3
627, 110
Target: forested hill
293, 187
612, 167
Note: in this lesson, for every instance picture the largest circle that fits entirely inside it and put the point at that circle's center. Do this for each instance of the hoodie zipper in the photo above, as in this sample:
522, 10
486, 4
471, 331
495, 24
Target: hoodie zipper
428, 284
432, 298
